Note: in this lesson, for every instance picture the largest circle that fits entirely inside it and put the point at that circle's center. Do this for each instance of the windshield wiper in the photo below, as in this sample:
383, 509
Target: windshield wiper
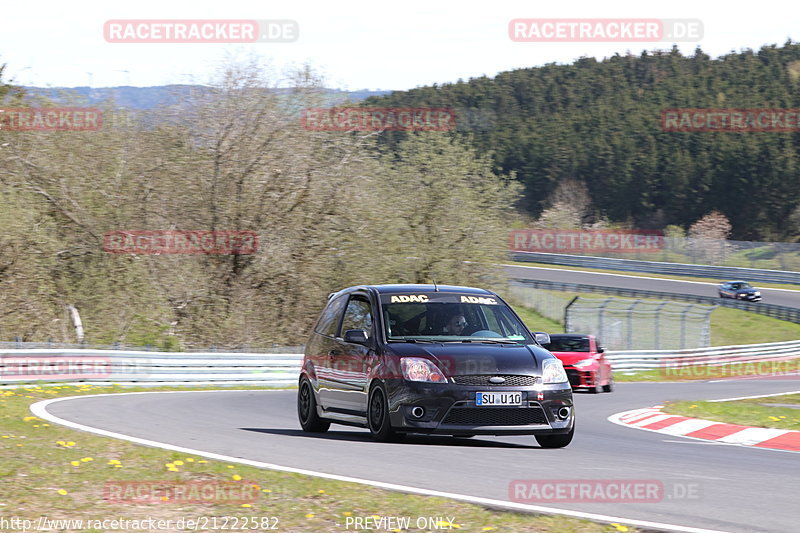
415, 340
494, 341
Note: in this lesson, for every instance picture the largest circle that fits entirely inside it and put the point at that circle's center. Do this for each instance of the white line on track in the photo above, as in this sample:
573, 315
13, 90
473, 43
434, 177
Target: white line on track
40, 409
759, 396
633, 277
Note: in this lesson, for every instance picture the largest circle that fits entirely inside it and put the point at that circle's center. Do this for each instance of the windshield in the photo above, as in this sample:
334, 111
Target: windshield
568, 344
451, 317
741, 285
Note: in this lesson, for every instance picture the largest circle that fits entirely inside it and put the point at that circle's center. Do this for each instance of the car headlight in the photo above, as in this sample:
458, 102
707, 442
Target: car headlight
553, 371
756, 293
584, 363
419, 369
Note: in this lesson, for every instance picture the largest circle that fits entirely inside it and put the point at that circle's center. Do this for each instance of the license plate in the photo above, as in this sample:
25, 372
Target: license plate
498, 398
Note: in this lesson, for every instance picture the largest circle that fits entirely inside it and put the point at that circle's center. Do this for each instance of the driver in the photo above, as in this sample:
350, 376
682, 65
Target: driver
456, 325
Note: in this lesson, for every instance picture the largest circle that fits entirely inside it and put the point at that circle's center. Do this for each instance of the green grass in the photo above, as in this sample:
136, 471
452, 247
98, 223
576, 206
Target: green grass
661, 276
733, 326
751, 412
537, 322
49, 470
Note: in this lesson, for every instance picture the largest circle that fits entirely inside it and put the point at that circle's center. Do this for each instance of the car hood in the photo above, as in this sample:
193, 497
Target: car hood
746, 291
459, 359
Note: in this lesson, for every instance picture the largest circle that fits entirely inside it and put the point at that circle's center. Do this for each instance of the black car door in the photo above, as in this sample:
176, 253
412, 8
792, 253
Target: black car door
349, 363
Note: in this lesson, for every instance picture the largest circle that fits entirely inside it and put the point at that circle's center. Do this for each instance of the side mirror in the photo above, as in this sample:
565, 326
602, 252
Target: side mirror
542, 338
356, 336
600, 349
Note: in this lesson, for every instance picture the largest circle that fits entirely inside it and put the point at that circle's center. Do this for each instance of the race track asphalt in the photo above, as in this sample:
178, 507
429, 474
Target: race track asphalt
785, 297
732, 488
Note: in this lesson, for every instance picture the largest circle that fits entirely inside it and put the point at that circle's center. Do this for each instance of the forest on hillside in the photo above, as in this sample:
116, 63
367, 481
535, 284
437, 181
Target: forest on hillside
598, 123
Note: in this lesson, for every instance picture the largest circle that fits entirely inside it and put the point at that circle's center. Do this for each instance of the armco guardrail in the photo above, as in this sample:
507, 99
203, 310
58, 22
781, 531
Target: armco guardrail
102, 367
672, 360
655, 267
147, 368
782, 312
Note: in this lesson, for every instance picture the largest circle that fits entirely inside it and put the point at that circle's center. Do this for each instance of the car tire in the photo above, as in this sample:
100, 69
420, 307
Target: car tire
609, 387
378, 421
307, 409
596, 388
556, 441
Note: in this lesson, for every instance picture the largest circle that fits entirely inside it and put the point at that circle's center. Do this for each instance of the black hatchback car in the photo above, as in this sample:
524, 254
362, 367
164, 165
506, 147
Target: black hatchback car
448, 360
739, 290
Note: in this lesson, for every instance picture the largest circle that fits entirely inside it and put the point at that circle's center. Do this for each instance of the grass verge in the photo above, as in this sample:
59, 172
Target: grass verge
779, 412
51, 471
537, 322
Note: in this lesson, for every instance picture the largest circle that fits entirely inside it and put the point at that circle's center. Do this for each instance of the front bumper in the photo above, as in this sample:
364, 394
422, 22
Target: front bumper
450, 409
581, 379
748, 297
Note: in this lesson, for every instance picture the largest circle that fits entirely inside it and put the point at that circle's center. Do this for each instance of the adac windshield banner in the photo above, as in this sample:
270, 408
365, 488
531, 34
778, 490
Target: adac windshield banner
586, 241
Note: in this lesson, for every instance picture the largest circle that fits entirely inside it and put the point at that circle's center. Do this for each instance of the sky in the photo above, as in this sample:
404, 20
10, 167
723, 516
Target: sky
354, 44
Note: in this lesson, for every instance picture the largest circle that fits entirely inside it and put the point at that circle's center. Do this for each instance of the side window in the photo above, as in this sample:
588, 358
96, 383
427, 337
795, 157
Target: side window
329, 319
358, 315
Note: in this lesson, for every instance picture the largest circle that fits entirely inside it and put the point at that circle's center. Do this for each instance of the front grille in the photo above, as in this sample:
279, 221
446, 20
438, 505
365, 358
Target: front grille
483, 380
574, 377
495, 416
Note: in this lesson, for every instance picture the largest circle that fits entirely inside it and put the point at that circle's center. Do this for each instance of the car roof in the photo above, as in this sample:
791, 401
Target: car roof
417, 288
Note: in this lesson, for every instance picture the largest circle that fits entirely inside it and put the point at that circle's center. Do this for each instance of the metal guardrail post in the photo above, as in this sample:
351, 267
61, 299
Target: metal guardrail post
566, 313
657, 317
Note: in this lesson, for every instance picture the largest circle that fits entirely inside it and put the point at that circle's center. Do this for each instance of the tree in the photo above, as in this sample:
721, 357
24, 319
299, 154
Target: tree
451, 210
707, 238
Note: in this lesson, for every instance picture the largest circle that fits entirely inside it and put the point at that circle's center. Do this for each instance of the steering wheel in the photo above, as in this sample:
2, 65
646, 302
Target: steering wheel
485, 333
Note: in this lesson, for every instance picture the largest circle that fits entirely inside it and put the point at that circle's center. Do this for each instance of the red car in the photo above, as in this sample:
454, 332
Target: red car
583, 359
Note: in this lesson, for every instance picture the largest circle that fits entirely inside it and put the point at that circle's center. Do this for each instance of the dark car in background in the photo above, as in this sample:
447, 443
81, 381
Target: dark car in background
739, 290
584, 361
458, 361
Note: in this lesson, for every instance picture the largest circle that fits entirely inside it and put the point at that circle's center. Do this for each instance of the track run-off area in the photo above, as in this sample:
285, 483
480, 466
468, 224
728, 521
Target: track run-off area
706, 486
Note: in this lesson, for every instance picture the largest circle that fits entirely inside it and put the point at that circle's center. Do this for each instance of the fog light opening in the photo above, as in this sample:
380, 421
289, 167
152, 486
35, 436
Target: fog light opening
563, 413
417, 412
